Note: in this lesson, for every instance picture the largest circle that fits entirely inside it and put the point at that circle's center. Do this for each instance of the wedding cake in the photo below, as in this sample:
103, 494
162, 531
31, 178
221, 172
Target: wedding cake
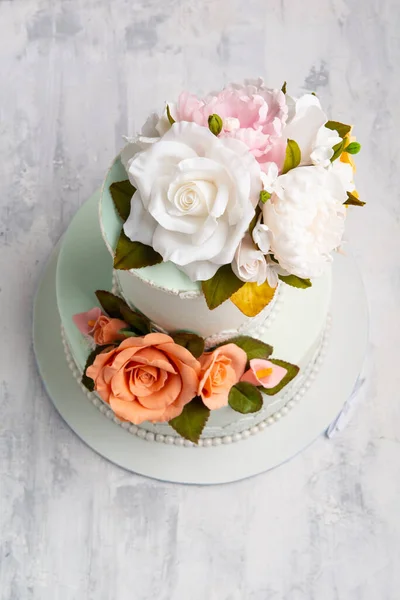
221, 218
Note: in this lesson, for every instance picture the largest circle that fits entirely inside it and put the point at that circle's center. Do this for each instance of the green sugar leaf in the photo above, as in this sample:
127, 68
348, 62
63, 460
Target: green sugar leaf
264, 196
109, 303
295, 281
353, 148
337, 150
116, 308
192, 342
353, 200
134, 255
292, 157
341, 128
170, 117
254, 348
254, 220
192, 420
245, 398
121, 193
88, 381
283, 88
220, 287
127, 333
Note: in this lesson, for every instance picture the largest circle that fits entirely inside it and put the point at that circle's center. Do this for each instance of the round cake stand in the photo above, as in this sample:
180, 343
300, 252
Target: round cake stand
217, 464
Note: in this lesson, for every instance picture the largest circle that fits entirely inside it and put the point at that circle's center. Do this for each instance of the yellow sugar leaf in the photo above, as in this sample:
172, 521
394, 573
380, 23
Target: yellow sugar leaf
252, 298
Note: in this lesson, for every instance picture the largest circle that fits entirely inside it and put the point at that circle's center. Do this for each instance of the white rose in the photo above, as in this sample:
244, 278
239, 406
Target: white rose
154, 128
195, 197
306, 217
307, 128
249, 263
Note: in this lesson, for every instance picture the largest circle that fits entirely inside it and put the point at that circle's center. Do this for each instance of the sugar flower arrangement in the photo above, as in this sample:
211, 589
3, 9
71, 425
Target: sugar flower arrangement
145, 374
240, 189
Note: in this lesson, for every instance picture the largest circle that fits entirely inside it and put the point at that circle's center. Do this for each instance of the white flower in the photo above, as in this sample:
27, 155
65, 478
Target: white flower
306, 218
269, 176
323, 144
154, 128
273, 270
307, 128
195, 197
262, 236
249, 263
344, 172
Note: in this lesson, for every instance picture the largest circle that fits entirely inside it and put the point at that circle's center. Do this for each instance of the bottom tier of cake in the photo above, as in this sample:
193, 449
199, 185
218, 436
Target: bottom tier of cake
240, 428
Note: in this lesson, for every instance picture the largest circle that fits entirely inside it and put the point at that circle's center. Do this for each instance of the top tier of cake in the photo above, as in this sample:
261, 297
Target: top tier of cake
169, 285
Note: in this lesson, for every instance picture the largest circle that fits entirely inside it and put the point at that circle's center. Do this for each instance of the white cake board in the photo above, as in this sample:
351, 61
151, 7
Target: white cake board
220, 464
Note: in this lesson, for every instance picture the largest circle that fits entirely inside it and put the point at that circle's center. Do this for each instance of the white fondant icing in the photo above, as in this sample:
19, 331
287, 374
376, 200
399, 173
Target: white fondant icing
180, 311
258, 324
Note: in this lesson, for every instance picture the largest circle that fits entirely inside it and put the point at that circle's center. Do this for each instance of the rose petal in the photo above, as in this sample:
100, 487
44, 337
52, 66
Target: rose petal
164, 397
133, 411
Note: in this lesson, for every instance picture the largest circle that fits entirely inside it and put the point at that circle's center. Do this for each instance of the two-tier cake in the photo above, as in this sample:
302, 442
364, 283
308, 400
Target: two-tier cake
221, 218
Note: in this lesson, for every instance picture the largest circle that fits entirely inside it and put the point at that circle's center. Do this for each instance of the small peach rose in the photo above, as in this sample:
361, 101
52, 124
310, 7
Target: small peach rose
147, 378
106, 330
265, 373
100, 327
220, 370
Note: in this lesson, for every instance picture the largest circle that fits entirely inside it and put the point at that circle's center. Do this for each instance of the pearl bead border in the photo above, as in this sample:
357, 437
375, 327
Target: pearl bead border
310, 375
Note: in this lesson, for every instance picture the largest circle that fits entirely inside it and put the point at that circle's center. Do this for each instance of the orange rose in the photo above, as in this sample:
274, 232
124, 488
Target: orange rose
105, 330
220, 370
146, 378
100, 327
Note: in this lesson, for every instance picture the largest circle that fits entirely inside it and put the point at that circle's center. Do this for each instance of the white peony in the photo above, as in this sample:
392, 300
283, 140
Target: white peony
195, 197
249, 263
307, 128
305, 216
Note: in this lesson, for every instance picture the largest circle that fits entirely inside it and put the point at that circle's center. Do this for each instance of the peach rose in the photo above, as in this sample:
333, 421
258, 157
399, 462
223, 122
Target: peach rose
220, 370
105, 330
147, 378
100, 327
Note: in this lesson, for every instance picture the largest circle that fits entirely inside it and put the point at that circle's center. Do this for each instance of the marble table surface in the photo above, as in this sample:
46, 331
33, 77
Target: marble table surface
75, 76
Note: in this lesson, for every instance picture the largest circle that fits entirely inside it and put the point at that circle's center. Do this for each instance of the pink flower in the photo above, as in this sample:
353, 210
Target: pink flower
101, 328
220, 370
251, 113
86, 321
265, 373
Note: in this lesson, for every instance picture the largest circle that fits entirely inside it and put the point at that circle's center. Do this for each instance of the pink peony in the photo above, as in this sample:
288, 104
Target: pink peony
251, 113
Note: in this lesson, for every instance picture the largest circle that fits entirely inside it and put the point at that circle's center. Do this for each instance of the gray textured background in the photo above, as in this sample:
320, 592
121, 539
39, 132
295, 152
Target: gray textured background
75, 75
